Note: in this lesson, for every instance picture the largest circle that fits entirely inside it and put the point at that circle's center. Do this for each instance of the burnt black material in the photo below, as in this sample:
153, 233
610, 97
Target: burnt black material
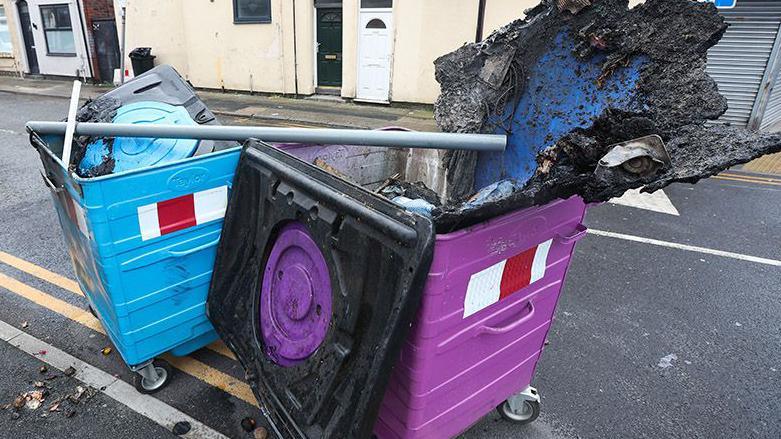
677, 97
399, 188
378, 257
161, 84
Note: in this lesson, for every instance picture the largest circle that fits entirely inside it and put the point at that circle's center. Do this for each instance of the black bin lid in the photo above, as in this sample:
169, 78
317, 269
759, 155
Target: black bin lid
296, 242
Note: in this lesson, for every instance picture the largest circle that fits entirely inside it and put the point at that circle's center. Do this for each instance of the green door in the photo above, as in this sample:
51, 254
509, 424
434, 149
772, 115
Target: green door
329, 52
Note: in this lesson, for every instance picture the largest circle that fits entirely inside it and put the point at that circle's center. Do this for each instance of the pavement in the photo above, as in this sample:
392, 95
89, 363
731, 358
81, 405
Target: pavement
667, 327
326, 111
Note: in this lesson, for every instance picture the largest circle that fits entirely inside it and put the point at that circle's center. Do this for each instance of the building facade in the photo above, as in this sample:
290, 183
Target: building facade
371, 50
71, 38
8, 45
383, 50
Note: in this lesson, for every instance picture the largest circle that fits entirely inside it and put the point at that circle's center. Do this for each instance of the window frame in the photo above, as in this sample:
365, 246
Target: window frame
257, 20
374, 8
46, 36
4, 54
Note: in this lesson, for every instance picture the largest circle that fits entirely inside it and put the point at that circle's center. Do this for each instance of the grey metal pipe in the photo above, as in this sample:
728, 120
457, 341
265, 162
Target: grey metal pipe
400, 139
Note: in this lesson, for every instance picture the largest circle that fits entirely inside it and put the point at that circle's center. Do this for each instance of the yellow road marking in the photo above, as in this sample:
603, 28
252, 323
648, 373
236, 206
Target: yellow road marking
188, 365
73, 287
59, 306
41, 273
220, 348
213, 377
752, 177
746, 180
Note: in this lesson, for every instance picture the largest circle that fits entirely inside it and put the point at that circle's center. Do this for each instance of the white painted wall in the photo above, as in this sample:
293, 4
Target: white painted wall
53, 64
9, 61
200, 39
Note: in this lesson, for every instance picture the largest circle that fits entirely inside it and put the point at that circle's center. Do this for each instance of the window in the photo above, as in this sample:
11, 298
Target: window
376, 24
252, 11
376, 4
58, 30
331, 17
5, 36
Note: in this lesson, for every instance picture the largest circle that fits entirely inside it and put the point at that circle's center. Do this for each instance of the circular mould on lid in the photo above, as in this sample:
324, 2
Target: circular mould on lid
132, 152
295, 297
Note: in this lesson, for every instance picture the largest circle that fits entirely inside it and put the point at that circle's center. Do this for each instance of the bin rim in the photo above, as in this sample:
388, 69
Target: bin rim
84, 180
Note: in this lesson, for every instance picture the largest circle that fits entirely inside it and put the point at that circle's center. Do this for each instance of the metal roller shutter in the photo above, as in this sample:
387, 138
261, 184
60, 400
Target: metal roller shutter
773, 111
738, 63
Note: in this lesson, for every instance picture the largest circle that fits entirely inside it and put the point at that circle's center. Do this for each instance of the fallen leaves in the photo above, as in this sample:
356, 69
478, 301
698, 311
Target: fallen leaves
30, 400
55, 407
34, 399
106, 351
80, 392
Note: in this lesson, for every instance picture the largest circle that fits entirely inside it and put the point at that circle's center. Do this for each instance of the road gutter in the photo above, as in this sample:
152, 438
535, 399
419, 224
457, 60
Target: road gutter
120, 391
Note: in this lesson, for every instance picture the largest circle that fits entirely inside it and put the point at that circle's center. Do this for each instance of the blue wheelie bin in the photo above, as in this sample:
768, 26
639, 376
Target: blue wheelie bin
143, 241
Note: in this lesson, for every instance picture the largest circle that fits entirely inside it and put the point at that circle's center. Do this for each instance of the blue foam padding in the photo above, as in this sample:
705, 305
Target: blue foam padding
561, 94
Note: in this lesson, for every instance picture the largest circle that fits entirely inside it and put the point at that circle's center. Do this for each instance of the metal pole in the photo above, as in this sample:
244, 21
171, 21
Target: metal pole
399, 139
122, 59
480, 20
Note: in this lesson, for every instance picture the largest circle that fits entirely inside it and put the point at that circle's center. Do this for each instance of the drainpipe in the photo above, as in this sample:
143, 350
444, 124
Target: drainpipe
480, 21
84, 38
122, 58
295, 48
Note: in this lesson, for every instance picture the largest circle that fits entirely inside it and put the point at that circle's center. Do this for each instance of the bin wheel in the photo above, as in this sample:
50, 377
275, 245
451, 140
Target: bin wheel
92, 311
527, 414
146, 386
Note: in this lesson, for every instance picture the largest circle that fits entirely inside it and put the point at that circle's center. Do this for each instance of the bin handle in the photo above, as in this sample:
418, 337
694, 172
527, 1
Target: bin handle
149, 259
577, 235
180, 253
49, 183
492, 330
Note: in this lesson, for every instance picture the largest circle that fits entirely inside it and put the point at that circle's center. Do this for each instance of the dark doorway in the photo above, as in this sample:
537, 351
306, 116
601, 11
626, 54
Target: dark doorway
27, 34
329, 47
104, 34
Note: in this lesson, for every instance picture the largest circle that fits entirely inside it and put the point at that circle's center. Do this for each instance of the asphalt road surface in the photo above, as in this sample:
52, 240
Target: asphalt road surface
668, 325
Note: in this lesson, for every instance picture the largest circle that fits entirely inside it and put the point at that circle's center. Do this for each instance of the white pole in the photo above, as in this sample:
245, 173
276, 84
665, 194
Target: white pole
71, 124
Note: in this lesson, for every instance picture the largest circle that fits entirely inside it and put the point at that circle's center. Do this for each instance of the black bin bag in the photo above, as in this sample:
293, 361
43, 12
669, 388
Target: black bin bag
316, 284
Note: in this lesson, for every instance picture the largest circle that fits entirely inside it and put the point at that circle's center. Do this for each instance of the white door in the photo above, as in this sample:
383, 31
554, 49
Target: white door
374, 56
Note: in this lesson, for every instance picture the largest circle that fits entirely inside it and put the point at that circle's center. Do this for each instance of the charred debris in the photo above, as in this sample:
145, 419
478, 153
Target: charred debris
100, 110
569, 83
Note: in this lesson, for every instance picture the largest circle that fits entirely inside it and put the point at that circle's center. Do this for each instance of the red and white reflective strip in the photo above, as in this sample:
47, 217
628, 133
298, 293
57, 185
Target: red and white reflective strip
506, 278
179, 213
75, 213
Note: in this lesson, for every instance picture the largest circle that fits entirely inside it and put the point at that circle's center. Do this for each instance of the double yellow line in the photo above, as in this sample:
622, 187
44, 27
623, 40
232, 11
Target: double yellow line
188, 365
748, 179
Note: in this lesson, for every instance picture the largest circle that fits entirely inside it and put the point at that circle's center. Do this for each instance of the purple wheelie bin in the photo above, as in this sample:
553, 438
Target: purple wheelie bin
487, 307
298, 291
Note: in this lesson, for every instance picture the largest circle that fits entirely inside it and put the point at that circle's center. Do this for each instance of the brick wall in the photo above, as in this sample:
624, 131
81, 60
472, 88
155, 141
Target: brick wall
96, 10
